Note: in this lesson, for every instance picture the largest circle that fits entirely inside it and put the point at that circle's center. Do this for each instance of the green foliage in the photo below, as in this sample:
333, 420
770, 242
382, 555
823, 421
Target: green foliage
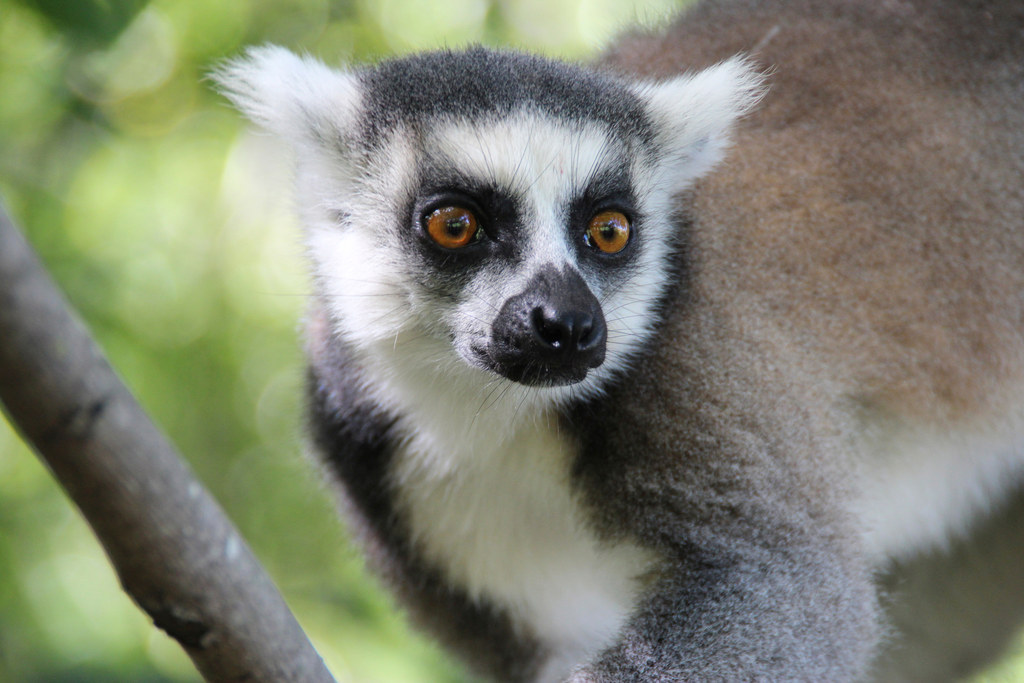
167, 223
89, 22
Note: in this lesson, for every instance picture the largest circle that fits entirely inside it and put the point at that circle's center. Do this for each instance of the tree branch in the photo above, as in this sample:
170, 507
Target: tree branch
175, 552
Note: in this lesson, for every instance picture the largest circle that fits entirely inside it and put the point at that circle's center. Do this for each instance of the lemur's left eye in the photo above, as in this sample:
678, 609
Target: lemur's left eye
452, 226
608, 231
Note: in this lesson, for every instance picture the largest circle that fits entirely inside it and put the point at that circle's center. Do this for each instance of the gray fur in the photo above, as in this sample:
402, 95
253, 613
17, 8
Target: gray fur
477, 83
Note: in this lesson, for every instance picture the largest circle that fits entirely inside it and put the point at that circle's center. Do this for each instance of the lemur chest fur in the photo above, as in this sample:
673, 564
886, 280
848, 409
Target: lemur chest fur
496, 513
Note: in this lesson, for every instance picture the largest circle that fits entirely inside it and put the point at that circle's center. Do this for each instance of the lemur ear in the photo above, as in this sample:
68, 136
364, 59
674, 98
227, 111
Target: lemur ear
297, 98
693, 115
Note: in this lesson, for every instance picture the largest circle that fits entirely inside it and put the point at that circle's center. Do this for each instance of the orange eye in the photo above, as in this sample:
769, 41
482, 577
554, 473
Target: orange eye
608, 231
452, 226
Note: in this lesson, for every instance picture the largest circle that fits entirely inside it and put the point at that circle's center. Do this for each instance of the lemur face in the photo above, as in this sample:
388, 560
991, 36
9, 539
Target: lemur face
525, 238
491, 214
520, 243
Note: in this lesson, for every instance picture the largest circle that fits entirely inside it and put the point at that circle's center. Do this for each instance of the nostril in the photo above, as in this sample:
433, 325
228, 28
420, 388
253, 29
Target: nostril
583, 330
551, 330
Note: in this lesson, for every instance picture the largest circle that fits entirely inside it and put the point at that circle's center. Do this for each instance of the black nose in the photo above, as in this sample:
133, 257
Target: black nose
553, 332
567, 332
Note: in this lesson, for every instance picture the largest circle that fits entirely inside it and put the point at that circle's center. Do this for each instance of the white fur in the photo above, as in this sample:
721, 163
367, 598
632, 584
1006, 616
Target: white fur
297, 98
694, 113
350, 232
924, 488
503, 523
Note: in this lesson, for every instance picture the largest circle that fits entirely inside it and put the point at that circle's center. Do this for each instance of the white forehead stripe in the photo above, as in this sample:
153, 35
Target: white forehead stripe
528, 153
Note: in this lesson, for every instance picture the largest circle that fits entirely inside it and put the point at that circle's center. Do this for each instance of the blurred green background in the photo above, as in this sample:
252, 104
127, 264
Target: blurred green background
167, 222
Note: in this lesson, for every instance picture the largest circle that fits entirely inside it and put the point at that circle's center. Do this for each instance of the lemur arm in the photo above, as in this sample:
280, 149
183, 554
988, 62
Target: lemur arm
793, 615
761, 579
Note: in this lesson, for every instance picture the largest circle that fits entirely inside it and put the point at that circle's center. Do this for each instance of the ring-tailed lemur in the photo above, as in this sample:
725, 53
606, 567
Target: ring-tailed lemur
598, 412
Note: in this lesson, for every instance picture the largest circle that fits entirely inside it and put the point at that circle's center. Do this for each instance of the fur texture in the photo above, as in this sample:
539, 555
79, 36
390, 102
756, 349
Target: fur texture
809, 395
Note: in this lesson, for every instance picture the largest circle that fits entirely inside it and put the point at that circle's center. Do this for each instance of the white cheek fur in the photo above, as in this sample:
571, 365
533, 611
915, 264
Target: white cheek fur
352, 227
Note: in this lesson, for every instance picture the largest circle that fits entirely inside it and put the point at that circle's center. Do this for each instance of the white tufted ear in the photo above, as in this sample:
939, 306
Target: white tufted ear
693, 115
297, 98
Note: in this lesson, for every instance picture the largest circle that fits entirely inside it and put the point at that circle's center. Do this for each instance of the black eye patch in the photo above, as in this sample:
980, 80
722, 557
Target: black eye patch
497, 213
610, 191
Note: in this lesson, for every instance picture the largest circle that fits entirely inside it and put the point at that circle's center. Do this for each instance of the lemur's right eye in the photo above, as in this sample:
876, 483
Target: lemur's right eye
452, 226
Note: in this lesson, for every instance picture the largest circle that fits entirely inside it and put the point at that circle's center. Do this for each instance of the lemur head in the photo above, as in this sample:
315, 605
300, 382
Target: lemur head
491, 213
